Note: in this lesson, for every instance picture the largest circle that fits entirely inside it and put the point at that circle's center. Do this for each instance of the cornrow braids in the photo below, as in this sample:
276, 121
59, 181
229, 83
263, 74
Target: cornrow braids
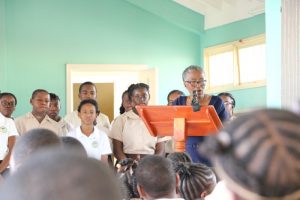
179, 157
258, 155
195, 178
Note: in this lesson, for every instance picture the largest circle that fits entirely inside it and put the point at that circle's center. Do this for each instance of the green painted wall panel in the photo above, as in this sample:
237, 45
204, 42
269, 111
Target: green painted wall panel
247, 98
43, 36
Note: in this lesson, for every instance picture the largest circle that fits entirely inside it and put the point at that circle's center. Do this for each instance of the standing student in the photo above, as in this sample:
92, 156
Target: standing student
126, 103
87, 90
38, 118
8, 133
194, 80
131, 138
8, 102
95, 141
229, 103
53, 113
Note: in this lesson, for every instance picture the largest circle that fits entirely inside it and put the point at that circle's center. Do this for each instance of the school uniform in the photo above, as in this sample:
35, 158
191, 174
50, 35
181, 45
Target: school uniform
7, 129
130, 129
28, 122
65, 127
102, 121
96, 144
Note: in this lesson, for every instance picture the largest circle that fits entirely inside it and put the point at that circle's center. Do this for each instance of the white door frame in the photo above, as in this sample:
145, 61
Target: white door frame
146, 75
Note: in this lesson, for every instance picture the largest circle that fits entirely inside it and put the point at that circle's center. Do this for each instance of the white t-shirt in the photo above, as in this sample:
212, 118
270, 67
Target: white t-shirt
96, 145
7, 129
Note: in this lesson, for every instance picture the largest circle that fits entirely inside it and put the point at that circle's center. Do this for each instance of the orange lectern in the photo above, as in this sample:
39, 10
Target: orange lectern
180, 122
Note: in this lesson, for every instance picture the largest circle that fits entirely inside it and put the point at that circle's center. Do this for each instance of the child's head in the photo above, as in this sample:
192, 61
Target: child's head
139, 94
177, 157
54, 106
87, 90
196, 180
40, 101
258, 155
88, 111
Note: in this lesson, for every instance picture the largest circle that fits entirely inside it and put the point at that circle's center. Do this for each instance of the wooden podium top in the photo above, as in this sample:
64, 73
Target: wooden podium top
160, 120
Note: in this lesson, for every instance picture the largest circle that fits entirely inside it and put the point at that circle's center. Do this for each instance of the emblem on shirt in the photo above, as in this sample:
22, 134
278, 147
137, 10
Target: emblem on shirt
3, 129
95, 144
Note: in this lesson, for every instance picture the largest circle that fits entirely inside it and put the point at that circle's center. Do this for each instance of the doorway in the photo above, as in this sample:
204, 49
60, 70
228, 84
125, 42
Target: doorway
112, 81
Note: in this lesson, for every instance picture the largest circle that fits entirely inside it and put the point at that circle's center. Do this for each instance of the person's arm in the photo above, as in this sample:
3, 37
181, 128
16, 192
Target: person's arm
160, 149
118, 149
5, 161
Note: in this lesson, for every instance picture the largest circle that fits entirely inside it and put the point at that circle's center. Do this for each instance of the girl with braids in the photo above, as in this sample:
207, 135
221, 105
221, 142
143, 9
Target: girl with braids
131, 138
258, 155
196, 180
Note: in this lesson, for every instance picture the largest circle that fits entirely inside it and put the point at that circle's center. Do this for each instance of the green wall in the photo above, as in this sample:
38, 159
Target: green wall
247, 98
44, 35
2, 44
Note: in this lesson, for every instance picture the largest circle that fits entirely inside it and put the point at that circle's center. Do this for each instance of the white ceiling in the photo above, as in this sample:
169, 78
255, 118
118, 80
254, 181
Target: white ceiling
220, 12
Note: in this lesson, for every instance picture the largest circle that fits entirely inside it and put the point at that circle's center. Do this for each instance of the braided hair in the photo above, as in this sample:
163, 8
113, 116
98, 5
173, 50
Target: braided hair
258, 155
195, 178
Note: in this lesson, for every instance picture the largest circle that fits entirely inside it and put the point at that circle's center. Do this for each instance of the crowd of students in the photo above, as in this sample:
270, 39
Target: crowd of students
83, 156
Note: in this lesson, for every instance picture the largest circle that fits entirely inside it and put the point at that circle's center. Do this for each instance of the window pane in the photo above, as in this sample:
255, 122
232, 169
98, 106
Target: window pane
252, 63
221, 69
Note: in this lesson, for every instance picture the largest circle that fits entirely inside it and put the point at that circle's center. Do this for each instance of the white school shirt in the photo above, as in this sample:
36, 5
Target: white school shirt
28, 122
96, 145
7, 129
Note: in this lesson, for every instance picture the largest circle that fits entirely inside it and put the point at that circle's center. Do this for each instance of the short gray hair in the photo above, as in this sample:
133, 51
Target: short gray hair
191, 68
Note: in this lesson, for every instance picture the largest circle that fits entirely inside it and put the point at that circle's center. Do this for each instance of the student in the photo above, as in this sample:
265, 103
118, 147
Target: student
156, 178
257, 155
8, 134
53, 113
126, 103
194, 80
229, 103
38, 117
87, 90
8, 102
61, 175
131, 138
173, 95
196, 180
31, 142
71, 143
95, 141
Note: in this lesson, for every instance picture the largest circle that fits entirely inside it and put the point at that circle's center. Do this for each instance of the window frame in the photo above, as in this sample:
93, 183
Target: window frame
234, 47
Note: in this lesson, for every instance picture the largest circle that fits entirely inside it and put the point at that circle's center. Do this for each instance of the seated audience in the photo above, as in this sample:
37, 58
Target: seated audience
156, 178
88, 90
8, 134
196, 180
70, 143
31, 142
61, 176
53, 113
95, 141
179, 157
257, 155
38, 117
229, 103
131, 138
8, 103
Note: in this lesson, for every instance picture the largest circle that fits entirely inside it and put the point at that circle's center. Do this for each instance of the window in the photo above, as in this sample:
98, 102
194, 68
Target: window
237, 65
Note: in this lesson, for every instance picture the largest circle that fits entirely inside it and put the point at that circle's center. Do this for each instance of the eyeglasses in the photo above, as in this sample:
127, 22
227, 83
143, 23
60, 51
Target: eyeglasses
196, 82
145, 96
8, 104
